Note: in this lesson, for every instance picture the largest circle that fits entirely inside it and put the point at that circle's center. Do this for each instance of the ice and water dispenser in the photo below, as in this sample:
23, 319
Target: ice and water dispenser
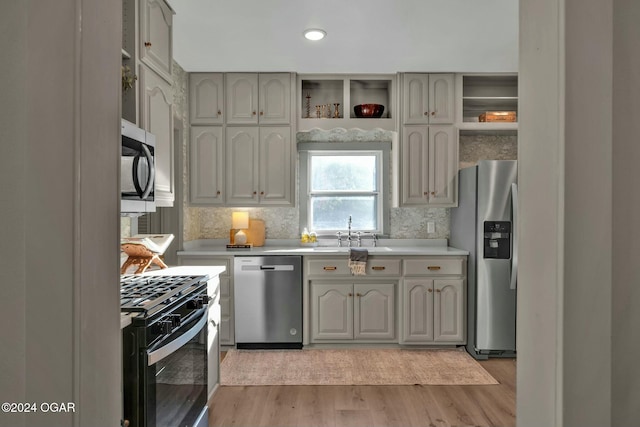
497, 239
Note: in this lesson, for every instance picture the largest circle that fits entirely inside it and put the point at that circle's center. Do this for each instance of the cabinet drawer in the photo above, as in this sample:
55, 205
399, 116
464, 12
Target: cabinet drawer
328, 267
383, 267
433, 266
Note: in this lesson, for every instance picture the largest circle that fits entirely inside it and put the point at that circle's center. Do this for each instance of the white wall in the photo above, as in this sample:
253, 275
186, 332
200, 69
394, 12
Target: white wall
59, 122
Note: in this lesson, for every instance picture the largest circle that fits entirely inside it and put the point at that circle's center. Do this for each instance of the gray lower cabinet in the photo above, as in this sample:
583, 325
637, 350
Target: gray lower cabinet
227, 323
433, 301
213, 340
352, 311
433, 311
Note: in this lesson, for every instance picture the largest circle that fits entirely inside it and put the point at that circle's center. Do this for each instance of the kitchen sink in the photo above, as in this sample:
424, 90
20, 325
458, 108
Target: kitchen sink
376, 249
333, 249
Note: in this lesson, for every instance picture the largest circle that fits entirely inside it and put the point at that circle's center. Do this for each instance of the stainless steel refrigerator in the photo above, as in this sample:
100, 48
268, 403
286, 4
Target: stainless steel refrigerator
485, 224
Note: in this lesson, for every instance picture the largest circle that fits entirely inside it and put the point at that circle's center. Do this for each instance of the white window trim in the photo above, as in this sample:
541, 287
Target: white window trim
383, 149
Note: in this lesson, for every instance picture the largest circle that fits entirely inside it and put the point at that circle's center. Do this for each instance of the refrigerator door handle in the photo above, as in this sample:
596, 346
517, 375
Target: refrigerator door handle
514, 258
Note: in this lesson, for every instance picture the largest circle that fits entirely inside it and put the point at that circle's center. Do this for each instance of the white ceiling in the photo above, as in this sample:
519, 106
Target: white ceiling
363, 36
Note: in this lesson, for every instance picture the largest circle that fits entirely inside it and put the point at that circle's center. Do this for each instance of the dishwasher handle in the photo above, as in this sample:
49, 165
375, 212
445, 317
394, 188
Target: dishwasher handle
283, 267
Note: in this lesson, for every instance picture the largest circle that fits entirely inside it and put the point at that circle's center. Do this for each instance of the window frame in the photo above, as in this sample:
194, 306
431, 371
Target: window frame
383, 149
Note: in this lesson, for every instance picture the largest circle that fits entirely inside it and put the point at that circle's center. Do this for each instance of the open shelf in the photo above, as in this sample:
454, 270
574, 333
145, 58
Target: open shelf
482, 93
346, 91
318, 93
371, 92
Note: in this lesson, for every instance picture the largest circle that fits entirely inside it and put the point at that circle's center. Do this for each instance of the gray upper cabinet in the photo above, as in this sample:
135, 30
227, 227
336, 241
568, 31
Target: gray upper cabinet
156, 36
429, 166
206, 98
258, 166
242, 165
207, 165
428, 98
156, 116
274, 98
253, 98
242, 98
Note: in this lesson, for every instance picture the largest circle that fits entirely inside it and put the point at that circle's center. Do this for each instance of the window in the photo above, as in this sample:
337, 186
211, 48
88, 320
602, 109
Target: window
340, 182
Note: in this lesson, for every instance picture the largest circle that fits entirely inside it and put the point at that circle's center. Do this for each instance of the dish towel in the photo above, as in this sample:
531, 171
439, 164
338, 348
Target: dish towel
358, 261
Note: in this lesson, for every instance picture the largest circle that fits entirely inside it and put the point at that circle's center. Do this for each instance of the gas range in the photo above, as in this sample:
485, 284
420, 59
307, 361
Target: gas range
165, 350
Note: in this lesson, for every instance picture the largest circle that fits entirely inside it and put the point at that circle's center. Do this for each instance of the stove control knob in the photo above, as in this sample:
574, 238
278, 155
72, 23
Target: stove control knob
194, 304
165, 326
175, 320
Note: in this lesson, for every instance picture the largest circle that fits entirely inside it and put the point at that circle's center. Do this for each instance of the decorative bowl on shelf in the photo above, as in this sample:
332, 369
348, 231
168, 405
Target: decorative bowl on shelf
368, 110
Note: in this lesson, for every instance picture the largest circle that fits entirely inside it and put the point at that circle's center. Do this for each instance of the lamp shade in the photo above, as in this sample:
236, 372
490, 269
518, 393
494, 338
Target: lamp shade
240, 220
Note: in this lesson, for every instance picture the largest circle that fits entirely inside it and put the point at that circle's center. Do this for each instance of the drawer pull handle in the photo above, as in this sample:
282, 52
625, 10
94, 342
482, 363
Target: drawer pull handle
329, 268
378, 267
433, 268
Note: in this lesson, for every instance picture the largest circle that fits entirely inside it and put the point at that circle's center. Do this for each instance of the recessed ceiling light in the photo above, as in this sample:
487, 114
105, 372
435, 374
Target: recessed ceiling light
314, 34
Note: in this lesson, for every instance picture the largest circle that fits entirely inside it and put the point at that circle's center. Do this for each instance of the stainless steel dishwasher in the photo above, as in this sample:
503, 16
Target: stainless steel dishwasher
268, 301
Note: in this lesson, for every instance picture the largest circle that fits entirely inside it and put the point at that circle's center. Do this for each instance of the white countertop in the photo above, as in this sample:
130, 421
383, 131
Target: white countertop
187, 270
387, 247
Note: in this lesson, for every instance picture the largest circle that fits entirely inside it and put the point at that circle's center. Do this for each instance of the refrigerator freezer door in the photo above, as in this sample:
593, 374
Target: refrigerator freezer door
495, 300
514, 241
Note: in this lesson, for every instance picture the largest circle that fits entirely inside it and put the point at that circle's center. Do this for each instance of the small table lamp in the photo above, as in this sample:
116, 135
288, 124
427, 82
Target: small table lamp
240, 222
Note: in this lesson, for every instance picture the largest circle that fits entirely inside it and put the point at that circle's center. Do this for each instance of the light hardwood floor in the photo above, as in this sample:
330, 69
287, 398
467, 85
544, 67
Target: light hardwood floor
437, 406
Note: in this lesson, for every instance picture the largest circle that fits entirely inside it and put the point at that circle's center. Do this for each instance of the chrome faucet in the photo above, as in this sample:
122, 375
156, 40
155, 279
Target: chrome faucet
349, 237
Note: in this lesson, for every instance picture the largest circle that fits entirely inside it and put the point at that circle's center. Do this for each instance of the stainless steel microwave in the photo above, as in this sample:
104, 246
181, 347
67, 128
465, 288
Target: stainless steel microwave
137, 170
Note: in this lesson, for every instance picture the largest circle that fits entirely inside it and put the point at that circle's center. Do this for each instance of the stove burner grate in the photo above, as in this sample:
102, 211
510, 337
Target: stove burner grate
142, 293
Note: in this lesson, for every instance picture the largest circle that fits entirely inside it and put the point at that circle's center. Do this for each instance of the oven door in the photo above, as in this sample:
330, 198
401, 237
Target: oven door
176, 376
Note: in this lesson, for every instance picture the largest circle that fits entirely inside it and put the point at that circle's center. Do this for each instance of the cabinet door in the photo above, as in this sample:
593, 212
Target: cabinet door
443, 166
213, 346
374, 311
275, 98
206, 98
227, 321
415, 165
242, 165
156, 36
331, 311
241, 96
417, 311
206, 165
415, 91
449, 309
156, 114
275, 166
441, 98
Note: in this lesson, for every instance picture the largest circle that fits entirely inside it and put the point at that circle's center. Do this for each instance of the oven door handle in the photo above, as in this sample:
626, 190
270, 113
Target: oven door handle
164, 351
